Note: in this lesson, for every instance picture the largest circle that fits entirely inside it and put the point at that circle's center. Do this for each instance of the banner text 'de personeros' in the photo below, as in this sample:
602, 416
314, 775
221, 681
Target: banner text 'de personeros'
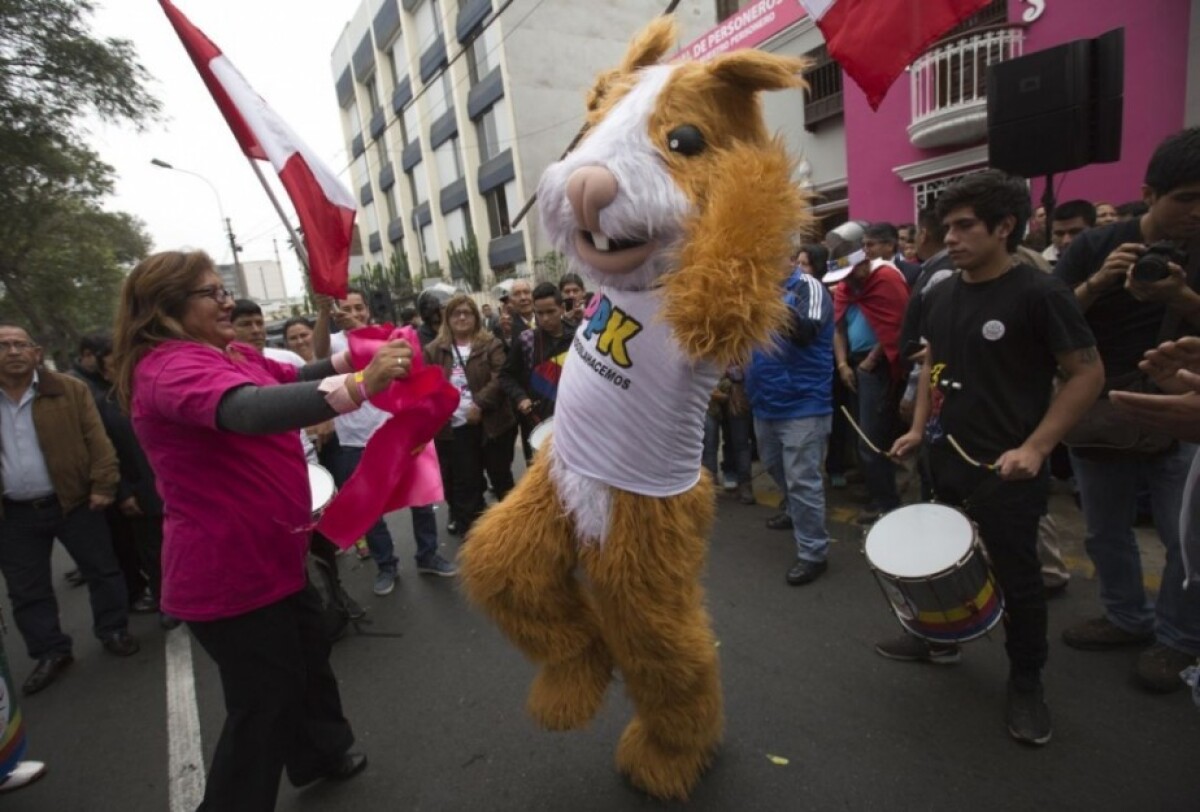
750, 27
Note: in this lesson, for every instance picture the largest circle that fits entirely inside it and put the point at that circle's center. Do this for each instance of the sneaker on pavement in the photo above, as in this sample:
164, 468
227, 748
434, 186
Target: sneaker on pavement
746, 493
385, 582
1027, 716
912, 649
729, 482
436, 565
1102, 634
144, 605
780, 521
1158, 668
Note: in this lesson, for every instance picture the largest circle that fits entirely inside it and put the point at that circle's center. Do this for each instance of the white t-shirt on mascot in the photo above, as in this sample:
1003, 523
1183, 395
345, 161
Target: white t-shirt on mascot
630, 404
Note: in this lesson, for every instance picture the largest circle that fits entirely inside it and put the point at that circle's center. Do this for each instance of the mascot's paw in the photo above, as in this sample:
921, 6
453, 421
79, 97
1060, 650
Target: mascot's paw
665, 772
566, 695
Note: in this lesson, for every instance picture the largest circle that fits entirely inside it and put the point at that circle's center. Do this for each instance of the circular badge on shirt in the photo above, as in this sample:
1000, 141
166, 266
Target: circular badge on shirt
993, 330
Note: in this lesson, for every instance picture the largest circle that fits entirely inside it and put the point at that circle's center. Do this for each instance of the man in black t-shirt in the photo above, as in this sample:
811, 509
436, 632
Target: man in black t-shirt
1129, 317
996, 334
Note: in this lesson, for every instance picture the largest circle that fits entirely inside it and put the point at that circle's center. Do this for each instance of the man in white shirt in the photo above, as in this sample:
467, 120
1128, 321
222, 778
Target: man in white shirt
354, 429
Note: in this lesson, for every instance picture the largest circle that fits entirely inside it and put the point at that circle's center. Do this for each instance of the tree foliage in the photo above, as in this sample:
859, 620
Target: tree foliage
60, 254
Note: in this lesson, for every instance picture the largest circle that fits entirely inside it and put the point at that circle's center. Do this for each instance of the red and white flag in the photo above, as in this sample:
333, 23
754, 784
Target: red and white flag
874, 40
324, 206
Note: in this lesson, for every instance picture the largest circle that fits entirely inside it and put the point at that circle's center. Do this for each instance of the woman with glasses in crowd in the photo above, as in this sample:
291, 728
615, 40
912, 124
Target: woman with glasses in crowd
479, 436
218, 424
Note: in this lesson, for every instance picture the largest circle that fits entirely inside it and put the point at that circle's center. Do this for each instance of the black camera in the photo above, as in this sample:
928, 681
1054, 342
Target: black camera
1152, 266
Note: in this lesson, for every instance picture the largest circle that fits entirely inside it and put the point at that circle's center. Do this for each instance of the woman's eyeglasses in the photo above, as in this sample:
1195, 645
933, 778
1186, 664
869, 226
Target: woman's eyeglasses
217, 294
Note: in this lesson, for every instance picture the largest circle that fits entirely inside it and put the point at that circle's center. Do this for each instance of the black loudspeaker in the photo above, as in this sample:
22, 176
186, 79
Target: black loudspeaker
1057, 109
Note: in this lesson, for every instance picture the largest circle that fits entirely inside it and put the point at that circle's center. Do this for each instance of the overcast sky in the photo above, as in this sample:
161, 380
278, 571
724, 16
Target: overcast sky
283, 49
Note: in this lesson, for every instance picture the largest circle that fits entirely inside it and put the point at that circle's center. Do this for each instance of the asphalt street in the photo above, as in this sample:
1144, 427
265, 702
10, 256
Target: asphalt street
815, 719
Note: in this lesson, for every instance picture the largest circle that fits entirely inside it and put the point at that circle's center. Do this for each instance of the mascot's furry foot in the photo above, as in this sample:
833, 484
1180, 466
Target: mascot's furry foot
566, 695
664, 772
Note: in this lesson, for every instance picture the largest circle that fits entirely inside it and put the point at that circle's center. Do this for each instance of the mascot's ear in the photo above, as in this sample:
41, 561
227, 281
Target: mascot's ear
650, 45
754, 70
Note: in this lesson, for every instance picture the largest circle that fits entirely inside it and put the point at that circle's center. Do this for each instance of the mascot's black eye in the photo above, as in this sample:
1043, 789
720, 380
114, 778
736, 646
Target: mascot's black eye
686, 140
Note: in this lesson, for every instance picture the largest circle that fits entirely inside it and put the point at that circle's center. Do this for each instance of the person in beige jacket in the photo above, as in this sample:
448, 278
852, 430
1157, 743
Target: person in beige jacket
58, 471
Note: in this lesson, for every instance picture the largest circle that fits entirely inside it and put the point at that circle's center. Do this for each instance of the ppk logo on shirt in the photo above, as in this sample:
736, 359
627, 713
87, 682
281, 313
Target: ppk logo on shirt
615, 329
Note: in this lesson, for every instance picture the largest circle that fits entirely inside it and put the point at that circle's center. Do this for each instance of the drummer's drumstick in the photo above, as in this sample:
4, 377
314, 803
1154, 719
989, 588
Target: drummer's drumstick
967, 457
864, 437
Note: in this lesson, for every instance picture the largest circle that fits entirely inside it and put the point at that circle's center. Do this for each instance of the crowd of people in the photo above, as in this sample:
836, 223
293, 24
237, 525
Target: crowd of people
973, 351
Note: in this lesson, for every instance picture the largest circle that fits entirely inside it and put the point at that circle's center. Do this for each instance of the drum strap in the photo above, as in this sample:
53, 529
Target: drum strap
988, 484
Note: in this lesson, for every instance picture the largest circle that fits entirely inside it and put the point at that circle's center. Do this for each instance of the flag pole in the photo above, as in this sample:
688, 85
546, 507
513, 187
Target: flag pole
670, 9
300, 250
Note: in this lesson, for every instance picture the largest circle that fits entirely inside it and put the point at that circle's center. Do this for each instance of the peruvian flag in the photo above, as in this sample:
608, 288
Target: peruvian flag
325, 207
874, 40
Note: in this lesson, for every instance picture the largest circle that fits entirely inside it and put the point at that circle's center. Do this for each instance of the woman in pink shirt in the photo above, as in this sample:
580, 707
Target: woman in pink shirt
218, 424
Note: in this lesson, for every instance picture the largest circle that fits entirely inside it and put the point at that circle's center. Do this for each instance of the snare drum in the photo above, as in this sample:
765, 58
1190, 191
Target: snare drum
929, 562
541, 433
320, 485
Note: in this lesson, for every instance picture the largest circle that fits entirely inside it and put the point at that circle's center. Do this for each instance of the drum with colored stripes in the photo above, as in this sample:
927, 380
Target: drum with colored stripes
928, 560
12, 727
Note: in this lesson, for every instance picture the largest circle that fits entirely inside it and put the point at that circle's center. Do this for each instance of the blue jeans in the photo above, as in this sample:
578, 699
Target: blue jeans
876, 414
1109, 488
793, 451
739, 442
379, 540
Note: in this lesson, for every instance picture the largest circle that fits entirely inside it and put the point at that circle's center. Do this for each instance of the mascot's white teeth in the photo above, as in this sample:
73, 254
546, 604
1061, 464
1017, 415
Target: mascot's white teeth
605, 245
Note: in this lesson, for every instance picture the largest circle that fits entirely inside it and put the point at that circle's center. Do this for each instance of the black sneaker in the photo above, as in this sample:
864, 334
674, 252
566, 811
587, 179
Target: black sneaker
780, 521
908, 648
805, 572
1027, 716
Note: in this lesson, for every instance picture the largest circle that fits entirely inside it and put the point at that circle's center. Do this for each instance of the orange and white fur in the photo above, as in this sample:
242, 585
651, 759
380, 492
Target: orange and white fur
676, 200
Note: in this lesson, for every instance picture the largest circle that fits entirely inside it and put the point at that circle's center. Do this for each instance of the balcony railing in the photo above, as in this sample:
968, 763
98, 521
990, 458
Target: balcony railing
949, 85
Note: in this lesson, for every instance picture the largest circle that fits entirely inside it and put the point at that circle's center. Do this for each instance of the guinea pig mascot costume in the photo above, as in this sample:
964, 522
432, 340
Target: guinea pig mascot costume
679, 209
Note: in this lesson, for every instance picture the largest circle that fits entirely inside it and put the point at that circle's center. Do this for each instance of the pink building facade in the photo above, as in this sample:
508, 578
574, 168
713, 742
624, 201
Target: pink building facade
931, 128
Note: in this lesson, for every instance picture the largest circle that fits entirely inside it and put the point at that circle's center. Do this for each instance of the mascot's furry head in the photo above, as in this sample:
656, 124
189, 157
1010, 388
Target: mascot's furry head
677, 176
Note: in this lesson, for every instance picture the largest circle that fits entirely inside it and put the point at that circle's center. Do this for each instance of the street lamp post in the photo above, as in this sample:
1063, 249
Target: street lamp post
233, 246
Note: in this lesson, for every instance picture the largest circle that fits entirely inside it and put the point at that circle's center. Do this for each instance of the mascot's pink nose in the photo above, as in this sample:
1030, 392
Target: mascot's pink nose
589, 190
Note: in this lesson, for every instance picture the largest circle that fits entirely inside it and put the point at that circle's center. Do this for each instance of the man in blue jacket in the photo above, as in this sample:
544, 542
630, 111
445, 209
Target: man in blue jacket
791, 394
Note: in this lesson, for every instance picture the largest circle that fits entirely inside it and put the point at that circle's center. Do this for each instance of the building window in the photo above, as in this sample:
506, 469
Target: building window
496, 200
352, 119
727, 8
440, 99
449, 164
372, 88
418, 184
458, 225
428, 19
370, 221
429, 250
493, 131
398, 61
824, 100
926, 192
412, 123
359, 172
381, 152
481, 56
389, 201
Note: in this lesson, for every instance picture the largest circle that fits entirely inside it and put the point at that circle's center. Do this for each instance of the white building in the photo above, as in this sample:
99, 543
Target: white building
452, 109
264, 281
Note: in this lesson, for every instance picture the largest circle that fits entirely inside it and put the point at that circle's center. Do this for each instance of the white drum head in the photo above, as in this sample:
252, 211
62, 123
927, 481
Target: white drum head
919, 540
320, 484
541, 432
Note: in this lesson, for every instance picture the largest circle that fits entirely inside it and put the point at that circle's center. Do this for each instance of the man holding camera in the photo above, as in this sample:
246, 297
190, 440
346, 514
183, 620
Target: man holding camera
1137, 282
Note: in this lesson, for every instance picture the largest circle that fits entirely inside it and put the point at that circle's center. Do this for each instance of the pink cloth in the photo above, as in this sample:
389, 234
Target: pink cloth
399, 465
236, 507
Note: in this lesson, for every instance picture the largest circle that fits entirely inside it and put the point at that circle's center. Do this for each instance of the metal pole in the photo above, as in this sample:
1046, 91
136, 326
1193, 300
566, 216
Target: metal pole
300, 252
237, 263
